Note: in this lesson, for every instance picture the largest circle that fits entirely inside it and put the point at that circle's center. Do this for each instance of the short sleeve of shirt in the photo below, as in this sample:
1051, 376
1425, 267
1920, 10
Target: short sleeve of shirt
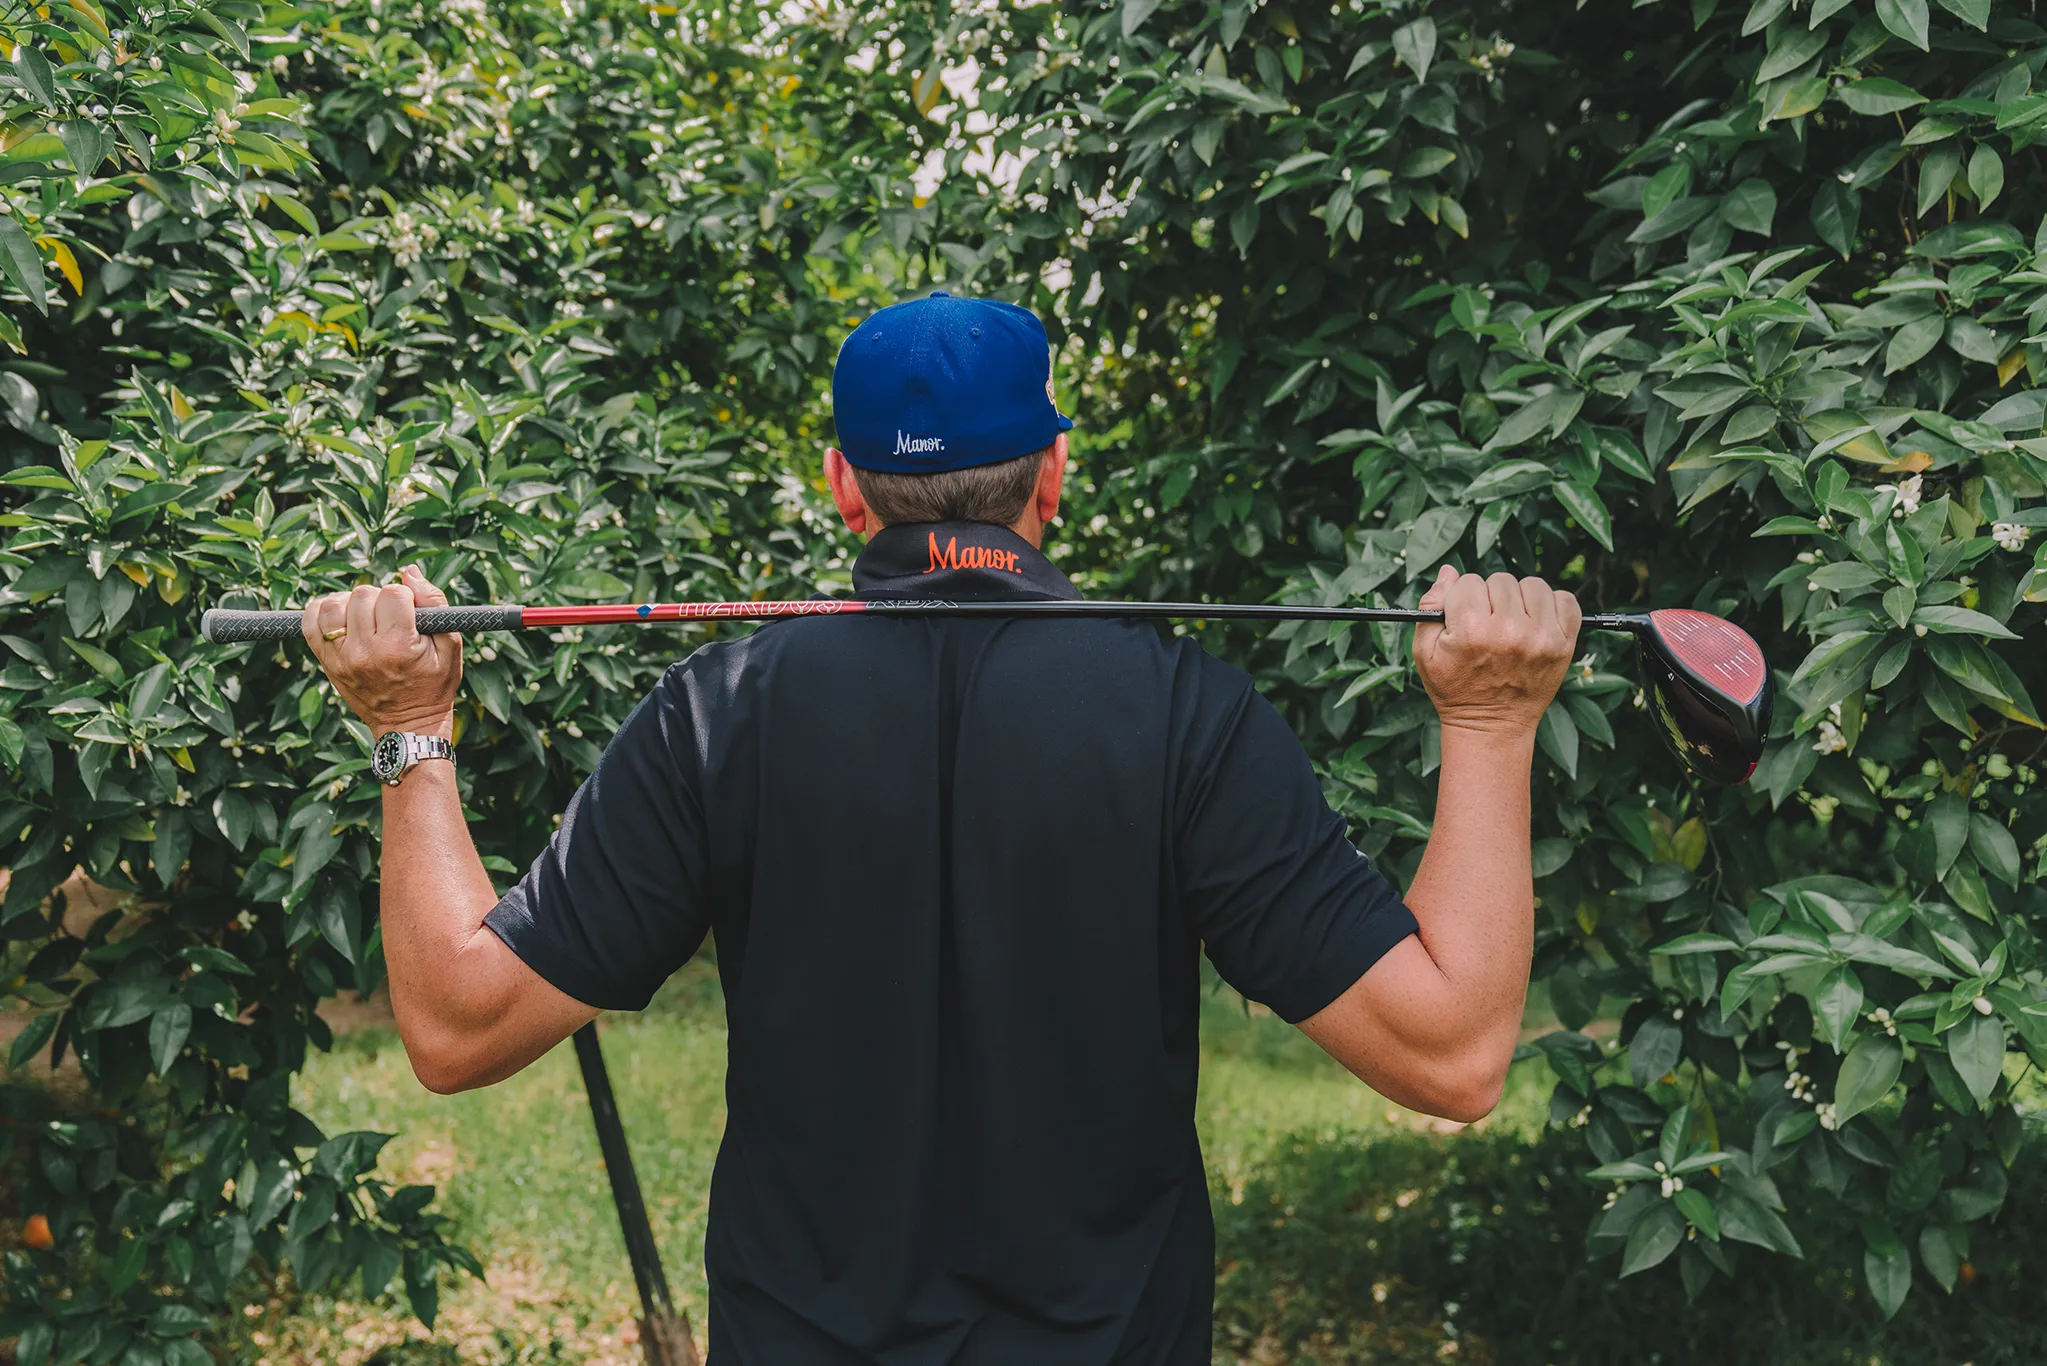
1290, 912
616, 902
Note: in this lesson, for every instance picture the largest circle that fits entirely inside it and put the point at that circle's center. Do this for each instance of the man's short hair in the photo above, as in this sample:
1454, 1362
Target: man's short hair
996, 493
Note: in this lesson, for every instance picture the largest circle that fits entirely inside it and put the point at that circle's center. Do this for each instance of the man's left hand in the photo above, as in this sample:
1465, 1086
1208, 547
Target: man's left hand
389, 674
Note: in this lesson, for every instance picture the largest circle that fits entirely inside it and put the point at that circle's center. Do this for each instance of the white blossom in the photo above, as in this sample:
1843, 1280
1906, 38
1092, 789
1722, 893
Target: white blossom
1907, 496
2010, 535
404, 238
1831, 740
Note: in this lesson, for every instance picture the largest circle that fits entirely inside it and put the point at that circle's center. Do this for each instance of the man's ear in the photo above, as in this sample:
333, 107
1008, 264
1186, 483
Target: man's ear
1051, 477
838, 472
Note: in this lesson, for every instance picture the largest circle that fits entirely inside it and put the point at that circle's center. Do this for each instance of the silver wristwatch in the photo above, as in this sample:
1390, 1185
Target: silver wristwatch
397, 750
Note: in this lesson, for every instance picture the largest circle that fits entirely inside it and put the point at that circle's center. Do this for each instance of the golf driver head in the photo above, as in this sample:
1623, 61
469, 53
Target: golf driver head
1709, 690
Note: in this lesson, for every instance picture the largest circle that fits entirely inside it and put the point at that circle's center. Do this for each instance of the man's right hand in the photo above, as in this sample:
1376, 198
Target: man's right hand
390, 676
1501, 653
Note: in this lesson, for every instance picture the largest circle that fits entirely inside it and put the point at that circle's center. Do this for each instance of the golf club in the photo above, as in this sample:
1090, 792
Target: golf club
1708, 686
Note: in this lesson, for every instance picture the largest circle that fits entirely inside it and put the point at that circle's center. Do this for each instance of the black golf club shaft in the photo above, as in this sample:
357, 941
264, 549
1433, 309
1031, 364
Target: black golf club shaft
222, 625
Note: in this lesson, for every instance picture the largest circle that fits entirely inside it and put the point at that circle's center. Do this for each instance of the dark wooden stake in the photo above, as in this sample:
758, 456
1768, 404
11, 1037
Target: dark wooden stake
664, 1333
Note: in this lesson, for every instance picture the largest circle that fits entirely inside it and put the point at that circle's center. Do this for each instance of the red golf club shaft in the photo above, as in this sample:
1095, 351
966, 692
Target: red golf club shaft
221, 625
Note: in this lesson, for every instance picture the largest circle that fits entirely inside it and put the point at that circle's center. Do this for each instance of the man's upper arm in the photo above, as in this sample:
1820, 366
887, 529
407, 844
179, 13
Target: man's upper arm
1290, 912
617, 900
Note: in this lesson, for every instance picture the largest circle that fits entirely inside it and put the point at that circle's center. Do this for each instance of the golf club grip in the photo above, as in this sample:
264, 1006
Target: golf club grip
226, 625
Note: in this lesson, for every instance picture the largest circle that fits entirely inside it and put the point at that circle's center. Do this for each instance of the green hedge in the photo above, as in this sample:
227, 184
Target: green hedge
1686, 304
1339, 1251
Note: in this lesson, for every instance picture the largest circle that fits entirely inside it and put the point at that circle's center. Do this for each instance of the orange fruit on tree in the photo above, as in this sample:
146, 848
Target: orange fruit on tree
36, 1234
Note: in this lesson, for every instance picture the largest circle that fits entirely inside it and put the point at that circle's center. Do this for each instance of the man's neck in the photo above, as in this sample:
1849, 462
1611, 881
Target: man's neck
1029, 526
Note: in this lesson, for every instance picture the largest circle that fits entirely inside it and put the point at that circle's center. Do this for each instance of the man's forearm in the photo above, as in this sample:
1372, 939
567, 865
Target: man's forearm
435, 894
1433, 1024
1474, 894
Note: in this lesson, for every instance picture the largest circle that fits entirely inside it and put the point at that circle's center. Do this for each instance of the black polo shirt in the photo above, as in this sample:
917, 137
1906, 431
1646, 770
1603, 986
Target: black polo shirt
959, 873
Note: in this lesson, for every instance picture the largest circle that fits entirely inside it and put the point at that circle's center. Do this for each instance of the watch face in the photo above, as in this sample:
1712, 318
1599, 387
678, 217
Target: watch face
387, 760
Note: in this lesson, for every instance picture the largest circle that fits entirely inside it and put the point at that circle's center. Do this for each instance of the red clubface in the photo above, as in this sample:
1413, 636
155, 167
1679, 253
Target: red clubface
1718, 652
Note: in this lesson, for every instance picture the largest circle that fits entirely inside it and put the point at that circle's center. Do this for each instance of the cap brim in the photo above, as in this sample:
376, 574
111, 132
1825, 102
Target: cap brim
1065, 422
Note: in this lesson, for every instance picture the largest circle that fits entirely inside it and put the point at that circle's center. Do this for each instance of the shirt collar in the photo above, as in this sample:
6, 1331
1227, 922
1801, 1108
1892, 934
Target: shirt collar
960, 561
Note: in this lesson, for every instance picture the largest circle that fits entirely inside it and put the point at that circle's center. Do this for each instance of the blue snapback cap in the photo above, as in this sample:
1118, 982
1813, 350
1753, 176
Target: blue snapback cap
941, 383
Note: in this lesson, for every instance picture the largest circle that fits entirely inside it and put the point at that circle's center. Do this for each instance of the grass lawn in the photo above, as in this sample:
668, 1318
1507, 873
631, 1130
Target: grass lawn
518, 1168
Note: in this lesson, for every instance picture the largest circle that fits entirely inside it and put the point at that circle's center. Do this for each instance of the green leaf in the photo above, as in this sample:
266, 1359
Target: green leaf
1976, 1047
1905, 18
1538, 416
317, 844
1653, 1239
1557, 733
1910, 343
1654, 1051
1666, 187
1550, 855
120, 1270
1575, 1001
1370, 679
19, 258
1791, 47
216, 959
1836, 1002
1975, 13
1965, 886
1425, 161
379, 1263
171, 1320
33, 1347
1697, 943
168, 1030
314, 1210
1415, 45
1432, 534
1889, 1273
1584, 505
1877, 95
1961, 619
85, 146
1937, 173
1292, 381
1994, 848
1867, 1075
1679, 217
1698, 1212
33, 70
347, 1156
1937, 1254
33, 1036
146, 498
422, 1285
1986, 174
1746, 1219
1972, 340
1799, 98
103, 664
1506, 479
1135, 12
1948, 817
